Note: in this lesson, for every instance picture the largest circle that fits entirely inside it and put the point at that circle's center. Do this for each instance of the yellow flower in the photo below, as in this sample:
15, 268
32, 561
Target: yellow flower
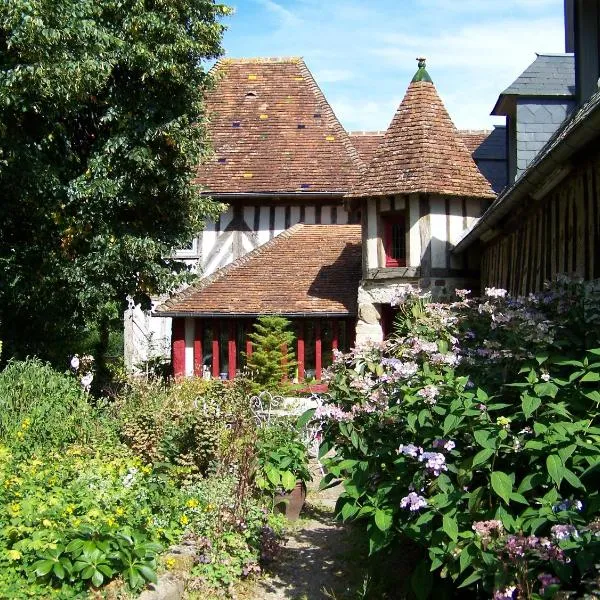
69, 509
47, 523
110, 521
20, 435
76, 522
120, 511
13, 555
209, 507
184, 520
170, 563
192, 503
147, 469
15, 507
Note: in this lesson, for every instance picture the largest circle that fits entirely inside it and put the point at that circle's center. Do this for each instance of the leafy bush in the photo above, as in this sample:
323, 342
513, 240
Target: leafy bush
182, 423
495, 481
75, 519
282, 458
41, 408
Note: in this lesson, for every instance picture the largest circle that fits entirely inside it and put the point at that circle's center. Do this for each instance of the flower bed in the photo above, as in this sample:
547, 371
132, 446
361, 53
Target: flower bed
473, 433
79, 508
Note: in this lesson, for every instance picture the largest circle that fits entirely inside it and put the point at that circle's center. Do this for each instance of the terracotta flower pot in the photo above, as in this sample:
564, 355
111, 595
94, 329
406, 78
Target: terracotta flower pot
290, 503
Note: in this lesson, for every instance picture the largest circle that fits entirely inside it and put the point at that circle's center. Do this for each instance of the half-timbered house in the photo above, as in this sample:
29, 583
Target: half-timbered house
282, 159
421, 190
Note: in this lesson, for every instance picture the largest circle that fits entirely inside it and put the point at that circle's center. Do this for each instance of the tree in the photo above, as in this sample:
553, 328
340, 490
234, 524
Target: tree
272, 360
101, 128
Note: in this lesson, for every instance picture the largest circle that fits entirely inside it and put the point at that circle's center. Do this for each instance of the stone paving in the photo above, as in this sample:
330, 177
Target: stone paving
313, 564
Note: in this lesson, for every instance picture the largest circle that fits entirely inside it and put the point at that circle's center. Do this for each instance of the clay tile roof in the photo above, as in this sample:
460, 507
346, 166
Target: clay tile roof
422, 152
472, 138
306, 269
272, 130
366, 142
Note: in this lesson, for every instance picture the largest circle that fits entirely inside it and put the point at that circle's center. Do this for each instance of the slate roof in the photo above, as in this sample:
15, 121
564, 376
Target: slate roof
366, 142
304, 270
422, 152
580, 129
493, 147
273, 131
549, 75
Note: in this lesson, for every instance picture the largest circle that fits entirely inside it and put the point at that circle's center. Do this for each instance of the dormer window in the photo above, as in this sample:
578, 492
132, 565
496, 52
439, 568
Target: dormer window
394, 239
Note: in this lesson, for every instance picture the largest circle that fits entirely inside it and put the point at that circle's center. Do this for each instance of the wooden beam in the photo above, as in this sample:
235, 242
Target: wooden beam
178, 347
198, 358
300, 350
215, 348
231, 349
318, 351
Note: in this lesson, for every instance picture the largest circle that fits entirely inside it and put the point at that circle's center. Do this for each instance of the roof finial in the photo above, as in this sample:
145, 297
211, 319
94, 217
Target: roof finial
421, 74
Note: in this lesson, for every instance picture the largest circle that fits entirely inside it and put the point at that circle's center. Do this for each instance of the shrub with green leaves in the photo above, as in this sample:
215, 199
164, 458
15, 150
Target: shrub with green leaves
41, 408
496, 481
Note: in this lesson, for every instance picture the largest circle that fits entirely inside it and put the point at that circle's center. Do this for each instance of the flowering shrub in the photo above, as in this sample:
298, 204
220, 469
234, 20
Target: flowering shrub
473, 434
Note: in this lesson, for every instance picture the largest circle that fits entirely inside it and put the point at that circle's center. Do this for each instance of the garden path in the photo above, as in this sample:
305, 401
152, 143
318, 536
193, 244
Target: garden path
318, 560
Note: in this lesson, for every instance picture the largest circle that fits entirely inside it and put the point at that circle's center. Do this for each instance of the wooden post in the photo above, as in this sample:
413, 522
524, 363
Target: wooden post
215, 348
231, 349
318, 350
300, 350
178, 347
198, 358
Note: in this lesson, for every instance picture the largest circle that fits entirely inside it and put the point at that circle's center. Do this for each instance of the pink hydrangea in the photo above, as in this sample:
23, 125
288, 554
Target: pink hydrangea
429, 393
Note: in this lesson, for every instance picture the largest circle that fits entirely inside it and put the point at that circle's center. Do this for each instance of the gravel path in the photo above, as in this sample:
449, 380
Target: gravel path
316, 560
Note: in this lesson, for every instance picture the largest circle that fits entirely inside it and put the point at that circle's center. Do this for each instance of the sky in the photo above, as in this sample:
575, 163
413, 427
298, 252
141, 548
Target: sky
362, 52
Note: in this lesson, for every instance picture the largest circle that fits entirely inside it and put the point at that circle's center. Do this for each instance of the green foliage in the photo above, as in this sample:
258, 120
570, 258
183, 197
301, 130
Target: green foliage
101, 130
75, 519
282, 458
183, 423
272, 359
42, 409
495, 481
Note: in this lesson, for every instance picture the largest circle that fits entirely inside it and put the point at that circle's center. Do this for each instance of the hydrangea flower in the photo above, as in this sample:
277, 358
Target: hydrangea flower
545, 580
508, 593
409, 450
487, 530
562, 532
434, 462
413, 502
495, 292
447, 445
429, 392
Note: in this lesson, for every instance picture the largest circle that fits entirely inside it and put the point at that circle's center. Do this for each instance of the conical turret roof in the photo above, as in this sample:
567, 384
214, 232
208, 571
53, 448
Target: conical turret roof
422, 151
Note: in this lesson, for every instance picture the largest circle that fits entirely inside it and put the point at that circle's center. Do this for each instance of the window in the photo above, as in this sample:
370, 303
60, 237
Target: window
394, 240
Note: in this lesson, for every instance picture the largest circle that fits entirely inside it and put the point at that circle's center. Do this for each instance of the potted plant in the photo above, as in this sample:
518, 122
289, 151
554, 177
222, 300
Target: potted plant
282, 467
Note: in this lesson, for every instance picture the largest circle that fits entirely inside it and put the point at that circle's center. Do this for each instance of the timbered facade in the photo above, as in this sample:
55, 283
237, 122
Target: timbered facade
308, 274
282, 161
419, 193
547, 223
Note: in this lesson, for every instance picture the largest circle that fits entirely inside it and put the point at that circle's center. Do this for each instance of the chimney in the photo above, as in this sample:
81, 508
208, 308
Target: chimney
586, 36
569, 26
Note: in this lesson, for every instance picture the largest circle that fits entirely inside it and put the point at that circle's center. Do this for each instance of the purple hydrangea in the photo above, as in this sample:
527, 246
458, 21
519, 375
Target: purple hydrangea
413, 502
508, 593
409, 450
435, 462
